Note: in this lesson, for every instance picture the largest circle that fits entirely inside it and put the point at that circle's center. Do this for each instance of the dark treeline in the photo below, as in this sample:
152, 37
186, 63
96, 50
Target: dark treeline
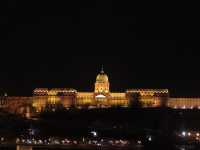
163, 120
12, 125
127, 123
119, 119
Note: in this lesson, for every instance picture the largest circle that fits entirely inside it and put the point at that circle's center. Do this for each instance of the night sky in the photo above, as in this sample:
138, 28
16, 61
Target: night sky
63, 44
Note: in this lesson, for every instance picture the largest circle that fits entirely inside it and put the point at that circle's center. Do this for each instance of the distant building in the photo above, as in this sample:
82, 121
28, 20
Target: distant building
101, 97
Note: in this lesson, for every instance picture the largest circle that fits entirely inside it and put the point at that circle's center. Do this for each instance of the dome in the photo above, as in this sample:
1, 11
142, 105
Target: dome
102, 77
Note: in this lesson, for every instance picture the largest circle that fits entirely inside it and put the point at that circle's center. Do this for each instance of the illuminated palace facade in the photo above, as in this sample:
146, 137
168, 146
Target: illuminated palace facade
101, 97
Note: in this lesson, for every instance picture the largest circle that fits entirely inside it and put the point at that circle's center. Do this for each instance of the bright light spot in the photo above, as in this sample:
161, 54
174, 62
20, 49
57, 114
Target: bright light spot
189, 133
2, 139
100, 96
75, 142
183, 133
94, 133
197, 134
150, 139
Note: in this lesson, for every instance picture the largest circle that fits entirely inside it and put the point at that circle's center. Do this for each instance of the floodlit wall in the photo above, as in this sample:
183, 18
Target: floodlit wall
44, 96
39, 102
85, 98
184, 103
70, 97
118, 99
150, 101
149, 97
18, 105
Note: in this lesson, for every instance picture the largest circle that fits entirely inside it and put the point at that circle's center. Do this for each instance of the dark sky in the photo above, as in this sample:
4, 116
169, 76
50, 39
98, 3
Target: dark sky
64, 44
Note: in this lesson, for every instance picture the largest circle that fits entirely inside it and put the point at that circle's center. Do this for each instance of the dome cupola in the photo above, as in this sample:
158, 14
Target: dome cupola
102, 77
102, 83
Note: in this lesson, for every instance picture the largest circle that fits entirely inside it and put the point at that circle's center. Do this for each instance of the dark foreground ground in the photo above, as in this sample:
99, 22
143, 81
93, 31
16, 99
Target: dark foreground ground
118, 123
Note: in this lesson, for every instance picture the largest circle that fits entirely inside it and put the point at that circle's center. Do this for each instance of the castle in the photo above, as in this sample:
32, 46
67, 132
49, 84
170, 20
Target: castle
101, 97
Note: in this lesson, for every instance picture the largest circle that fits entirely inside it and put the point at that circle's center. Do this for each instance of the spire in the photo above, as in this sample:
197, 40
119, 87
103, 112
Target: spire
102, 69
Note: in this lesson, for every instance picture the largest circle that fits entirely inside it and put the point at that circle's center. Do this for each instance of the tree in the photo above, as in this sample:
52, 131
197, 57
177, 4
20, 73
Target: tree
163, 101
135, 100
53, 107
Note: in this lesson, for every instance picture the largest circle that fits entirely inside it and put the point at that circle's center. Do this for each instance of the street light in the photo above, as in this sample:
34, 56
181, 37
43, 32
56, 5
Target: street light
189, 133
150, 139
183, 133
94, 133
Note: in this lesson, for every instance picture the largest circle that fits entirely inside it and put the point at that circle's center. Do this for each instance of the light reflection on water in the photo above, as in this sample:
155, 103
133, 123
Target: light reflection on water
87, 149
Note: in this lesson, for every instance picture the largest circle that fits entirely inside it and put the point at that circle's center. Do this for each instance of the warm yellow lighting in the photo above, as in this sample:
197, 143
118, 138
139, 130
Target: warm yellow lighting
189, 134
100, 97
